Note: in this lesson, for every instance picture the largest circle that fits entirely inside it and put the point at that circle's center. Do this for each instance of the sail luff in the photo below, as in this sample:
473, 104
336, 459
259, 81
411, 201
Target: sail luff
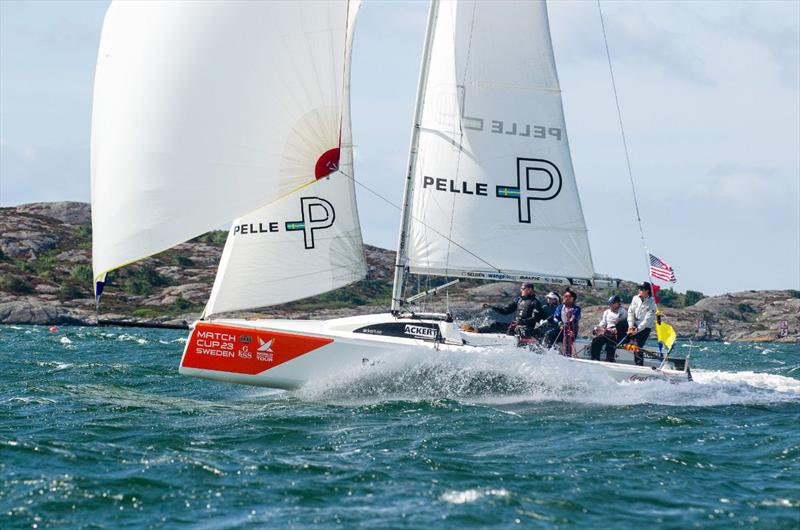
405, 221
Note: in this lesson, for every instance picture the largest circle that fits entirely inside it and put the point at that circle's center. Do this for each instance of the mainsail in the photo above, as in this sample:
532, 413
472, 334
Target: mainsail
494, 192
306, 243
205, 111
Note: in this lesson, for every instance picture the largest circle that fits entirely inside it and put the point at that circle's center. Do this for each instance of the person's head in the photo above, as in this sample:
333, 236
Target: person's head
552, 298
614, 302
570, 297
526, 289
645, 290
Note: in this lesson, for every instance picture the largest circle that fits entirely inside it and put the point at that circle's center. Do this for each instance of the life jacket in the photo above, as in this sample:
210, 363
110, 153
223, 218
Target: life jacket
527, 309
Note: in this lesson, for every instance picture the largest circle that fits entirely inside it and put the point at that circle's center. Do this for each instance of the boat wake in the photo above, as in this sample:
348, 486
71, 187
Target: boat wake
510, 375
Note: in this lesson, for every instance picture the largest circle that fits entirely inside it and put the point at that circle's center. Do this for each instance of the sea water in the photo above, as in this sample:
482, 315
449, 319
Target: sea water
98, 430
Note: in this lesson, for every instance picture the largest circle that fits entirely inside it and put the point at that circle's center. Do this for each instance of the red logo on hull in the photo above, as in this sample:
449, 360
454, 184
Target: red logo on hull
244, 350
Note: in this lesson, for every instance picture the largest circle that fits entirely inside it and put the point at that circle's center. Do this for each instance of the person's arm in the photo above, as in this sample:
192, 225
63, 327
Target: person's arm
556, 318
632, 312
508, 309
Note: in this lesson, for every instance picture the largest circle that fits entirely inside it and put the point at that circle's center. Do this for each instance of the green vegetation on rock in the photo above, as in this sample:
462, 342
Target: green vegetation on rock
141, 280
82, 274
15, 284
215, 237
692, 297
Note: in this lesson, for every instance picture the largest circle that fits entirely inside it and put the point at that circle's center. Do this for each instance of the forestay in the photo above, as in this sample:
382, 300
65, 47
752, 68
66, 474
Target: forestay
494, 192
205, 111
306, 243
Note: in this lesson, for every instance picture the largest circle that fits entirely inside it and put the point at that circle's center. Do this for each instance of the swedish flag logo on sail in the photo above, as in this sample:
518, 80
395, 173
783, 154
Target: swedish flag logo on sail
537, 180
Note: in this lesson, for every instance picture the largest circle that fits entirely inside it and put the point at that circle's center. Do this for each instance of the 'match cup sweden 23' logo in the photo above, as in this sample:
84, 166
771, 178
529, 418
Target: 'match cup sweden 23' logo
316, 213
537, 180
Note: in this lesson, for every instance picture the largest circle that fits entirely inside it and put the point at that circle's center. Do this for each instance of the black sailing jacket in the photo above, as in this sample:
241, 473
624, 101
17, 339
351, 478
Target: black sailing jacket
528, 310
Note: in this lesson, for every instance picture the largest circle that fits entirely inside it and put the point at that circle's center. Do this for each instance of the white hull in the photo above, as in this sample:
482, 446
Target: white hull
288, 353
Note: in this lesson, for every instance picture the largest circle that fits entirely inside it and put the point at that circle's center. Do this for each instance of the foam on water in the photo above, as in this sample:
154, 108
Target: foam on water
471, 495
511, 375
126, 337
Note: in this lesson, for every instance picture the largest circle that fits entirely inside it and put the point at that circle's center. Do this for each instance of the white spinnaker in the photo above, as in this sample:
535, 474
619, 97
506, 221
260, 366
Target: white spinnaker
492, 115
205, 111
264, 268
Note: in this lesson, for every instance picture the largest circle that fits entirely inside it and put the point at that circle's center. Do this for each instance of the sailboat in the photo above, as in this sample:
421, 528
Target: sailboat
238, 112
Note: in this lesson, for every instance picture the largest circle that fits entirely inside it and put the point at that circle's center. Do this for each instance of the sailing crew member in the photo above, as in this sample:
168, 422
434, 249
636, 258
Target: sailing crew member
567, 316
547, 322
527, 309
613, 325
641, 316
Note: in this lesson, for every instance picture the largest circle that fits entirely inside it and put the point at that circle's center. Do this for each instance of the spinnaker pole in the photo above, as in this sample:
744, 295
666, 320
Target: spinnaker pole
405, 220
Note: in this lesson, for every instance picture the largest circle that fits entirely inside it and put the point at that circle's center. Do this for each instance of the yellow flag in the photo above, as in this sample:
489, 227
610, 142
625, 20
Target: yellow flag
666, 335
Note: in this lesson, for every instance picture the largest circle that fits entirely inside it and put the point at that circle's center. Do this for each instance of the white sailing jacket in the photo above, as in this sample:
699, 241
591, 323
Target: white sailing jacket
642, 313
610, 318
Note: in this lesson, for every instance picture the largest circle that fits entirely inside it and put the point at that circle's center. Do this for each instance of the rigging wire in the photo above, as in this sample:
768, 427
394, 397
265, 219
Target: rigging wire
624, 142
400, 208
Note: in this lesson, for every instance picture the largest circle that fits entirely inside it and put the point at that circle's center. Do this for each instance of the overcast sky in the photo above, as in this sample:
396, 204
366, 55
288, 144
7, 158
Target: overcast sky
710, 97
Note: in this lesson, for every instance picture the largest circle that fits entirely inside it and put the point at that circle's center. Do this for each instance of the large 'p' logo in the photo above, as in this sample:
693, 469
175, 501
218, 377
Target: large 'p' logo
318, 214
537, 180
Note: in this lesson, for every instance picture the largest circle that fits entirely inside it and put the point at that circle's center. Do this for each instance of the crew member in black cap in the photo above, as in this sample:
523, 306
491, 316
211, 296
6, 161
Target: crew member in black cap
641, 318
527, 311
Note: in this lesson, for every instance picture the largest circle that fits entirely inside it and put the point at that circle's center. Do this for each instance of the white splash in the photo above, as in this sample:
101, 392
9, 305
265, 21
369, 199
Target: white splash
125, 337
511, 375
471, 495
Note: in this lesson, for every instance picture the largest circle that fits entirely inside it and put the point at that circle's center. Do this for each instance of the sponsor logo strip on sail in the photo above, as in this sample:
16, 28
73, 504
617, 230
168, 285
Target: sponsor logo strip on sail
244, 351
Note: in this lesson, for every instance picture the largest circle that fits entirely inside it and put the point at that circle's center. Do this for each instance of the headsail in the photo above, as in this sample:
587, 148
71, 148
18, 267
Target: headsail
494, 192
306, 243
205, 111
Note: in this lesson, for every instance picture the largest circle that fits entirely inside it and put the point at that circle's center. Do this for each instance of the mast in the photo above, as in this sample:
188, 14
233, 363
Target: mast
405, 220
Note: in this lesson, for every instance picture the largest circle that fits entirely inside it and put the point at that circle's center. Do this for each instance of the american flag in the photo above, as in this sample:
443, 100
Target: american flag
659, 269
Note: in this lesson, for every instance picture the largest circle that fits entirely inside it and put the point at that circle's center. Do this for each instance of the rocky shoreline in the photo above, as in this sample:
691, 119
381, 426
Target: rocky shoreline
45, 278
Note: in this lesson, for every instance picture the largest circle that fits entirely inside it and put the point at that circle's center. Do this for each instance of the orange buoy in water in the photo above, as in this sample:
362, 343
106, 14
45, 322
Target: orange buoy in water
53, 329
